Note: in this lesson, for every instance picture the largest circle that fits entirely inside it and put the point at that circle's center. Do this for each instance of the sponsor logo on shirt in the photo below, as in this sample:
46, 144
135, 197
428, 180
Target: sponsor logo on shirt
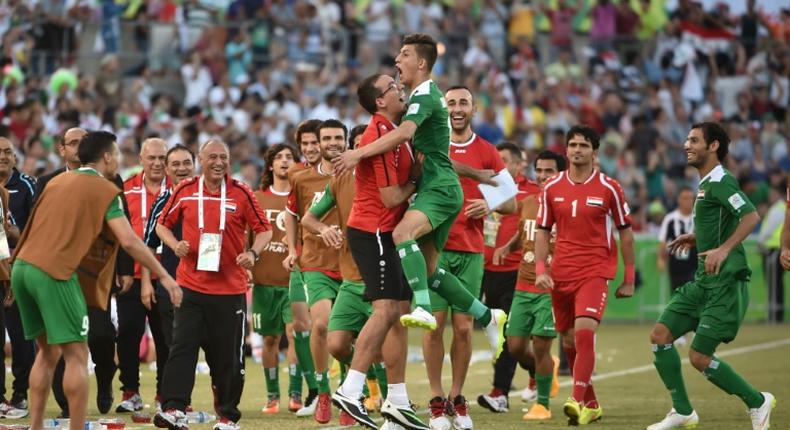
559, 199
595, 201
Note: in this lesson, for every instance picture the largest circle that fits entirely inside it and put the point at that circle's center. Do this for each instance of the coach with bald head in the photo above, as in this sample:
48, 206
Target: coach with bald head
140, 192
215, 212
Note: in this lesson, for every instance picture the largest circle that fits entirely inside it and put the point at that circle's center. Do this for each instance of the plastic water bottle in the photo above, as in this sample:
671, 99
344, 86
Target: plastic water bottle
52, 424
199, 417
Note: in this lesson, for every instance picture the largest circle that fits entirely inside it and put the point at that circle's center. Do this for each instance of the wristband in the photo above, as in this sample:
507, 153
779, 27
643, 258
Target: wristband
540, 268
630, 274
255, 255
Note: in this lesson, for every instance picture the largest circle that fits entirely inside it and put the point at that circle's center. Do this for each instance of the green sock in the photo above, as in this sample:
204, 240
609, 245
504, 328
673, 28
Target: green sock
272, 381
667, 362
450, 288
544, 388
295, 380
723, 376
322, 378
416, 272
302, 347
381, 376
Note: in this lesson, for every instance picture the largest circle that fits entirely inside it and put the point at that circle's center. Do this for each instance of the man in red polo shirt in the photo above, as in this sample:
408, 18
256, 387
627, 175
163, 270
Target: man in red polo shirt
215, 211
140, 192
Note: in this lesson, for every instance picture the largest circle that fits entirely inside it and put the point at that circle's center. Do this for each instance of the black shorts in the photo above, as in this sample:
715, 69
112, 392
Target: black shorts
498, 288
379, 265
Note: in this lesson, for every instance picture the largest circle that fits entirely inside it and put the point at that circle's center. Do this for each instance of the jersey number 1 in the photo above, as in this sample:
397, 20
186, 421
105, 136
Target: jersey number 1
573, 206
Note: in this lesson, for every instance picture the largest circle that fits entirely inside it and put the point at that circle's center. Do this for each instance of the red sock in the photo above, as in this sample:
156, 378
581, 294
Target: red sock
532, 384
570, 355
589, 397
583, 368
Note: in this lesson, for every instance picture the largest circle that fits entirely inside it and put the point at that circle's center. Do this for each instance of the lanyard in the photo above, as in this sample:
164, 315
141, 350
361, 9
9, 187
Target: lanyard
144, 197
201, 223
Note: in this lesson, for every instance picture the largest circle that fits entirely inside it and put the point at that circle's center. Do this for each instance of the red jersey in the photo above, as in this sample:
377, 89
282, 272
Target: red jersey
392, 168
139, 200
506, 226
466, 234
241, 210
585, 215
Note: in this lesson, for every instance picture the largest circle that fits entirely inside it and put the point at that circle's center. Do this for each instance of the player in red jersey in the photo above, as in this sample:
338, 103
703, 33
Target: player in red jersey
583, 204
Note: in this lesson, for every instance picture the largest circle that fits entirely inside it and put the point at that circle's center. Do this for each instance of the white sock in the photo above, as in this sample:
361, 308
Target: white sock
396, 393
352, 386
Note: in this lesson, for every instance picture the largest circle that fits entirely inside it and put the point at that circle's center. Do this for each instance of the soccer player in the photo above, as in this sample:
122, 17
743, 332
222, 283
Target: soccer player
179, 165
530, 314
439, 194
462, 257
382, 188
64, 262
350, 310
584, 205
306, 137
140, 191
319, 263
715, 302
499, 278
271, 309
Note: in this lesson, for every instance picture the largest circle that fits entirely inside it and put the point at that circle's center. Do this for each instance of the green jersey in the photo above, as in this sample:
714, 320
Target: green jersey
116, 206
428, 109
718, 210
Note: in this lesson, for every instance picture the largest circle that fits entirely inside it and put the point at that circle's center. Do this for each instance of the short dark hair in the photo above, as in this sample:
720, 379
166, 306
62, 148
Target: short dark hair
267, 178
94, 145
511, 147
425, 46
179, 147
333, 123
585, 131
562, 164
352, 135
461, 87
368, 93
306, 126
713, 131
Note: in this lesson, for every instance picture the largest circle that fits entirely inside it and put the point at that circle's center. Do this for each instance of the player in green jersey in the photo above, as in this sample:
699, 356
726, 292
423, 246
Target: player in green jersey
439, 195
714, 303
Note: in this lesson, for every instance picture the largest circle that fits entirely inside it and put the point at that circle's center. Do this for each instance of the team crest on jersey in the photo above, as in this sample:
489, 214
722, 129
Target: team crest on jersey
230, 207
595, 202
701, 194
529, 257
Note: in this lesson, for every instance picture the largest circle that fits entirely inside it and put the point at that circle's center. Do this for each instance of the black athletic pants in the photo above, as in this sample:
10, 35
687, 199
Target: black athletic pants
218, 322
23, 352
774, 280
101, 342
131, 328
497, 293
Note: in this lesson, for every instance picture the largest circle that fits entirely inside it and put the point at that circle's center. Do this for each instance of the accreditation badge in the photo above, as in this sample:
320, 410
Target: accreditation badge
209, 251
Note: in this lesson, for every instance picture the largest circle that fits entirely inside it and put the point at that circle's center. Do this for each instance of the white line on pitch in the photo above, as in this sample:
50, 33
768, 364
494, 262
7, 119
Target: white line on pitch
616, 374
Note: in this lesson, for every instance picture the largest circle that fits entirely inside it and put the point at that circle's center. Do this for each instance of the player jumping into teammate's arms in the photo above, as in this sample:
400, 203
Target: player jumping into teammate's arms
715, 302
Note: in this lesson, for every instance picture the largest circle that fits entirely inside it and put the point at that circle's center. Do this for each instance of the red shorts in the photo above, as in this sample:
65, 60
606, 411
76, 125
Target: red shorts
579, 298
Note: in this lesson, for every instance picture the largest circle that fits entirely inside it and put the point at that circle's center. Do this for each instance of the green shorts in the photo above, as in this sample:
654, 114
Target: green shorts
714, 313
271, 310
319, 287
467, 267
49, 306
530, 315
350, 311
296, 288
441, 206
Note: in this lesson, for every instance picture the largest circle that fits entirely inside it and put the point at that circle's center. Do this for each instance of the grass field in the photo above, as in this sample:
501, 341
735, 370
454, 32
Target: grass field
628, 387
